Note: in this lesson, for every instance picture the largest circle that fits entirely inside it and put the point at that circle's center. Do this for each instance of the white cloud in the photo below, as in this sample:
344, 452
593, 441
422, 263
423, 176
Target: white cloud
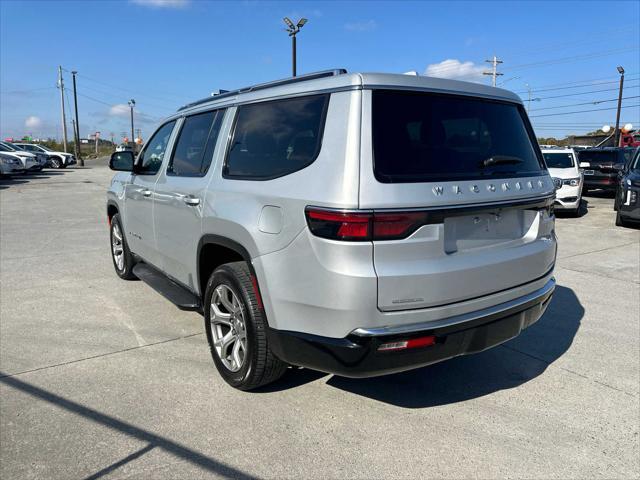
362, 26
455, 69
119, 110
33, 122
162, 3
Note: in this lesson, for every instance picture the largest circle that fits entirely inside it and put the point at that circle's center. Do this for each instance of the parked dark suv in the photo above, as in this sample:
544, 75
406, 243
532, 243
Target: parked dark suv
627, 204
601, 166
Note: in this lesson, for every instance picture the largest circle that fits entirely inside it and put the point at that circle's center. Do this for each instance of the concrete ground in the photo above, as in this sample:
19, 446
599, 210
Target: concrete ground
102, 378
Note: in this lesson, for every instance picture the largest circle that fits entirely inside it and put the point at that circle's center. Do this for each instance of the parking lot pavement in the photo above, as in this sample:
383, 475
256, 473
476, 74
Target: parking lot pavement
103, 378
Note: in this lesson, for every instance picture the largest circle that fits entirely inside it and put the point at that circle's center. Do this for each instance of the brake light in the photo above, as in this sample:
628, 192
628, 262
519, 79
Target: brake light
339, 225
388, 226
363, 226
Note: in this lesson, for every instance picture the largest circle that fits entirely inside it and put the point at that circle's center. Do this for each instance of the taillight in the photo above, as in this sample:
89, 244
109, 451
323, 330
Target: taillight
363, 226
339, 225
388, 226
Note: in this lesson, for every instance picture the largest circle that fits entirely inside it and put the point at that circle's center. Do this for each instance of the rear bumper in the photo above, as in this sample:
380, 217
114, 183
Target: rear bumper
357, 354
609, 182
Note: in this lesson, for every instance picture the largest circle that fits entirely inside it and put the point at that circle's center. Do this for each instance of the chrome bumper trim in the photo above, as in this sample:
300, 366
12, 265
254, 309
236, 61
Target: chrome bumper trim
531, 298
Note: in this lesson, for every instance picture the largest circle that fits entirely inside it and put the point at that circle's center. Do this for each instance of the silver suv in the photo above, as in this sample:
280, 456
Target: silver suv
357, 224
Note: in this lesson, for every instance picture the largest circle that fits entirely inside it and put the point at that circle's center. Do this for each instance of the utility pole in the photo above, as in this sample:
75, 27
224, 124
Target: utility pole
64, 120
73, 125
97, 135
132, 104
293, 31
616, 132
494, 71
77, 132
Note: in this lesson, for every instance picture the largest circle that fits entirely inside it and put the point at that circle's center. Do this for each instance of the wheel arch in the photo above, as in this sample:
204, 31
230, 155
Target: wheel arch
112, 209
216, 250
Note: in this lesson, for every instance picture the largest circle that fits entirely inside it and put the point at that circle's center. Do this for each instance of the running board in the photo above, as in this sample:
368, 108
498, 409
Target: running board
176, 294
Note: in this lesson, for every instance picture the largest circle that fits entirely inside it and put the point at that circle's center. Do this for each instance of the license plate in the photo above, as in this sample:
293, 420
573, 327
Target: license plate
588, 172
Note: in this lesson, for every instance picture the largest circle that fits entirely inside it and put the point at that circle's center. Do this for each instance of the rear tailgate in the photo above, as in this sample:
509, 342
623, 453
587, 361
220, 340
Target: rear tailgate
488, 226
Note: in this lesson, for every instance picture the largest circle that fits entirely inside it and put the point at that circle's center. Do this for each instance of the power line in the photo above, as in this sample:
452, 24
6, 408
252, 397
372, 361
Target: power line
582, 85
132, 91
10, 92
584, 93
595, 102
583, 111
119, 99
573, 58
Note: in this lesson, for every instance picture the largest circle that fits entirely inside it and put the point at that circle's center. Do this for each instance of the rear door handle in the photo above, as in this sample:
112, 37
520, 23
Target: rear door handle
191, 201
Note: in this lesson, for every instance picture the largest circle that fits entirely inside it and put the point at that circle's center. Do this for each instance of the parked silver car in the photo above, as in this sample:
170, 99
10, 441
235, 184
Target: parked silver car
10, 164
29, 161
358, 224
55, 158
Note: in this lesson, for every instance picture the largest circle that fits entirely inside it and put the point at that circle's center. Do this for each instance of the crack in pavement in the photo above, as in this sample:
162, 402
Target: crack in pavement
600, 250
549, 364
101, 355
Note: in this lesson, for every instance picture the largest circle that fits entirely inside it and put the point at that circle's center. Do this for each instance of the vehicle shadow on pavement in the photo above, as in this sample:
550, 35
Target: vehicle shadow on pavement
151, 439
464, 378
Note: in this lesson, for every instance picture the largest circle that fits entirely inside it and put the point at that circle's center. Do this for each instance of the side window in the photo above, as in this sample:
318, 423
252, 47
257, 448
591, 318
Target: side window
196, 143
276, 138
151, 157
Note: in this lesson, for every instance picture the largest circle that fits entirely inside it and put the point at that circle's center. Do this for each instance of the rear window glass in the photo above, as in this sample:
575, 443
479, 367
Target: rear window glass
272, 139
558, 160
422, 137
605, 156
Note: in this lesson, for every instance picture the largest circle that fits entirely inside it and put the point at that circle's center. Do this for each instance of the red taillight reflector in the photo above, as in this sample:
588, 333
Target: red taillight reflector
405, 344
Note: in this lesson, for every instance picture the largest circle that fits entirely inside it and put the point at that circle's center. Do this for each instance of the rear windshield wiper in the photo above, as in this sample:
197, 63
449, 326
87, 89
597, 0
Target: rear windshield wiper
500, 160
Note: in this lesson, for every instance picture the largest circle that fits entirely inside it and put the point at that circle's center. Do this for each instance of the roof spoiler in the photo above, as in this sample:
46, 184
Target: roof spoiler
262, 86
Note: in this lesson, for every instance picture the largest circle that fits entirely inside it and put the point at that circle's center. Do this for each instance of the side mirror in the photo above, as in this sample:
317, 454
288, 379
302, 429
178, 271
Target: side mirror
585, 164
121, 161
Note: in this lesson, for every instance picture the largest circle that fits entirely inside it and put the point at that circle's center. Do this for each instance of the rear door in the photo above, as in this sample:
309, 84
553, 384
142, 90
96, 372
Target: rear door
180, 194
472, 166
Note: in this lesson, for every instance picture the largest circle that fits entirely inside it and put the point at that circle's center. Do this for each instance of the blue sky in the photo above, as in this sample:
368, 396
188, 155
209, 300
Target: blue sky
164, 53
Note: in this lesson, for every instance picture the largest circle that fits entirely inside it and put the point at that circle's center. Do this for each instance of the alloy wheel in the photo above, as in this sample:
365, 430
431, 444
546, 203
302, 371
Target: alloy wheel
228, 328
117, 246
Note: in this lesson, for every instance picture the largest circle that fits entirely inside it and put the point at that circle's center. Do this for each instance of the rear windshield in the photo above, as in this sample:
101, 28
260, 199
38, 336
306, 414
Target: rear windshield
605, 156
422, 137
558, 160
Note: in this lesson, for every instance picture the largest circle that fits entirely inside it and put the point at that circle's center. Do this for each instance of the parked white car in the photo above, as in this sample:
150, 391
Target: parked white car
563, 164
29, 160
10, 164
56, 159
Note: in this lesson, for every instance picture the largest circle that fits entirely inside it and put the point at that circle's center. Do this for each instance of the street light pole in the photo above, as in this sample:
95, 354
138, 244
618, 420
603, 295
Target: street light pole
616, 132
293, 31
132, 103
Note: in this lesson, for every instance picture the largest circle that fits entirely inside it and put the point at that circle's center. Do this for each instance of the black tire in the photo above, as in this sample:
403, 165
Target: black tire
259, 366
56, 162
126, 272
621, 222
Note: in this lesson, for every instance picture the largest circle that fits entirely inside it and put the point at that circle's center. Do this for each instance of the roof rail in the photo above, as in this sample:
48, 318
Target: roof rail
262, 86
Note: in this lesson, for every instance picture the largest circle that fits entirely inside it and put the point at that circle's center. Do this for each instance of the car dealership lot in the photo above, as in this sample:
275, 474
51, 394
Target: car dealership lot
103, 378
